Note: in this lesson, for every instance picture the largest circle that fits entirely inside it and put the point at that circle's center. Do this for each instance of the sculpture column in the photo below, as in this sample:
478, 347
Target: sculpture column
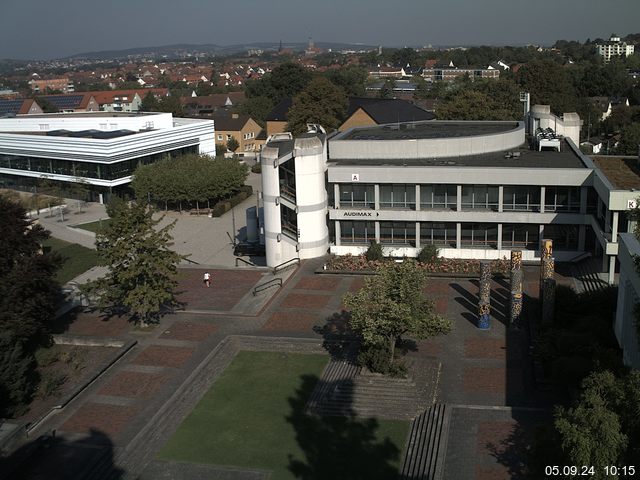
517, 275
547, 282
484, 303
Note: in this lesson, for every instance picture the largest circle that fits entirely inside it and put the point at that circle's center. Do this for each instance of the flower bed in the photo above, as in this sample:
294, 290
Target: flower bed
440, 265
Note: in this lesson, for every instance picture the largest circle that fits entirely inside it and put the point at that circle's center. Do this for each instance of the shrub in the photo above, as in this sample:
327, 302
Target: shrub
376, 359
428, 254
257, 168
374, 252
51, 384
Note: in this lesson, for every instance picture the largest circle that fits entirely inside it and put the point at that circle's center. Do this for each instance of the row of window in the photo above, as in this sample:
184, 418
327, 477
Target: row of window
474, 197
473, 235
102, 171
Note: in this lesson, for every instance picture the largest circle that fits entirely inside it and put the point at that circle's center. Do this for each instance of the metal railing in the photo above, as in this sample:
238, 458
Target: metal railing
263, 286
244, 261
285, 265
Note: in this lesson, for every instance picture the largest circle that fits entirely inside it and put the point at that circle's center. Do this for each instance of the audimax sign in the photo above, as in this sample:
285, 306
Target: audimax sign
362, 214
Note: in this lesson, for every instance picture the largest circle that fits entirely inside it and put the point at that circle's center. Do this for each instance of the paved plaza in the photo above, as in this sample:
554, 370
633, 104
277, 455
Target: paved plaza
485, 376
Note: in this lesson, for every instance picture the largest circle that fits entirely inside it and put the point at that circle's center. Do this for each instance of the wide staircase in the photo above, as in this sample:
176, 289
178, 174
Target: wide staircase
588, 275
344, 389
427, 445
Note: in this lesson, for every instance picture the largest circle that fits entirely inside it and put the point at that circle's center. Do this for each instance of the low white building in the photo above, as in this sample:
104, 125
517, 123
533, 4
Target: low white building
100, 149
627, 327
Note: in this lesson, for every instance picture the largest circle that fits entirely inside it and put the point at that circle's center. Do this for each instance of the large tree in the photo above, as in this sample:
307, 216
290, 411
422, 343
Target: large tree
28, 294
140, 281
320, 102
392, 304
548, 83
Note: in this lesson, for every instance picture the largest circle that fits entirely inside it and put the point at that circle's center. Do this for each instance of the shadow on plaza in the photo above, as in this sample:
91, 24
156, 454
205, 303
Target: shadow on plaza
343, 446
53, 457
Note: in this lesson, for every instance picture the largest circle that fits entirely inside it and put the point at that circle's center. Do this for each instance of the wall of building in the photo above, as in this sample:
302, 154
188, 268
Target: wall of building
430, 147
82, 121
628, 296
360, 118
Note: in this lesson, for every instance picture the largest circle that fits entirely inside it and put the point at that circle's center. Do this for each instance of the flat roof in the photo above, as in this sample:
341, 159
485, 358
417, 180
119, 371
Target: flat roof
622, 172
88, 114
427, 130
526, 159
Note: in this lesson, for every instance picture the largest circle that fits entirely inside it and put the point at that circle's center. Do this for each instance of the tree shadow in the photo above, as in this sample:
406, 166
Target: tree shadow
338, 447
54, 457
338, 339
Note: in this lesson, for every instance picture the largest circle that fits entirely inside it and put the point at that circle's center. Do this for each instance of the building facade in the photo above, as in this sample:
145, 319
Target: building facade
473, 189
615, 48
101, 150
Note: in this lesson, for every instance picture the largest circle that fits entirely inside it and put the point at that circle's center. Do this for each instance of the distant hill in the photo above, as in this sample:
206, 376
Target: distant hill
182, 50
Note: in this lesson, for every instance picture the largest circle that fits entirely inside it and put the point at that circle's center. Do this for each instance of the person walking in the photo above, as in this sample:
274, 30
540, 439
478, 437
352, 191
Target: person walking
207, 279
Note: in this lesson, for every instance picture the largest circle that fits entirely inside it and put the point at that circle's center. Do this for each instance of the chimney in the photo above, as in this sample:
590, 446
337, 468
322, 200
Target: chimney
234, 115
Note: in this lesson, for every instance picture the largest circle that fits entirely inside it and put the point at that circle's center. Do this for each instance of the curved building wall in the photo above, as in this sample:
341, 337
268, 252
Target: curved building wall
311, 197
429, 147
271, 192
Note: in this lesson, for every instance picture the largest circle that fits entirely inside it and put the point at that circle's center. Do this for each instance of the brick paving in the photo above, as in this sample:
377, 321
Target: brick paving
109, 419
92, 324
227, 288
188, 331
300, 300
318, 283
164, 356
478, 367
133, 384
292, 321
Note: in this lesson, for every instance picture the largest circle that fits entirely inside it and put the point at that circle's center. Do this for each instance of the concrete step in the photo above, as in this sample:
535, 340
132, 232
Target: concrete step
426, 444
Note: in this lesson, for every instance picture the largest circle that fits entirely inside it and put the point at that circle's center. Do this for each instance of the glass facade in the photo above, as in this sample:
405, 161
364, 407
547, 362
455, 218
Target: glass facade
442, 197
289, 221
356, 195
520, 236
479, 235
480, 197
398, 233
287, 174
443, 234
76, 168
357, 233
565, 237
401, 196
521, 198
562, 199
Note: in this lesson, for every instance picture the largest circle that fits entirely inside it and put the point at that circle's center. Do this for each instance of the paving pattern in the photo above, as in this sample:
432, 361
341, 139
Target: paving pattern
483, 377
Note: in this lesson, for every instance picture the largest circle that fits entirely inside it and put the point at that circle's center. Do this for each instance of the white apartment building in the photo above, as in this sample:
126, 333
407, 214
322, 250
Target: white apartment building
614, 48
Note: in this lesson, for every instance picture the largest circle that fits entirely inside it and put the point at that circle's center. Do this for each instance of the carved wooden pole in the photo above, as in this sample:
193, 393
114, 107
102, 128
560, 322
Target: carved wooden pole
515, 309
484, 303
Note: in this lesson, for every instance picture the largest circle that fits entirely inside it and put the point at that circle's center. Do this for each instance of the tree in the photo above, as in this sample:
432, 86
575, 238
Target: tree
142, 268
386, 91
149, 103
351, 78
320, 102
171, 104
257, 108
232, 144
28, 294
630, 140
391, 304
549, 84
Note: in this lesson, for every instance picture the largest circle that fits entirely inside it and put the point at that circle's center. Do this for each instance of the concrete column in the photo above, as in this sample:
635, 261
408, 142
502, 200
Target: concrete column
336, 195
612, 269
337, 232
582, 233
417, 234
458, 235
500, 200
543, 192
378, 232
614, 227
500, 235
459, 198
376, 195
417, 202
583, 200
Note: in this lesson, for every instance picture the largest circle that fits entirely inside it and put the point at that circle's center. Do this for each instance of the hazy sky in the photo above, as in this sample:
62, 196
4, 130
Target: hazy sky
43, 29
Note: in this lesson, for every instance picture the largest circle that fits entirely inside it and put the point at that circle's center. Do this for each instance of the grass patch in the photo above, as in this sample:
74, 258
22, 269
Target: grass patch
77, 259
94, 226
253, 417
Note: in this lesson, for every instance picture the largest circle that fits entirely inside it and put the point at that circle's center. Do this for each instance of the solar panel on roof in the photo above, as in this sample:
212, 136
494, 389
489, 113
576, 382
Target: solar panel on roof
10, 106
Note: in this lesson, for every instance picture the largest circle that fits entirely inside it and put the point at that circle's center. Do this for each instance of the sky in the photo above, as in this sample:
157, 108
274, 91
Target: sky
44, 29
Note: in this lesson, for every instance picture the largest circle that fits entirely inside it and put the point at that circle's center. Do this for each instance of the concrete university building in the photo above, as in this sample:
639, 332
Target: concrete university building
473, 189
103, 149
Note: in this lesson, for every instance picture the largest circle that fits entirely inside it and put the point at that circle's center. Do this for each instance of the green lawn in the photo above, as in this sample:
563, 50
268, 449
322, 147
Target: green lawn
94, 226
78, 259
253, 417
